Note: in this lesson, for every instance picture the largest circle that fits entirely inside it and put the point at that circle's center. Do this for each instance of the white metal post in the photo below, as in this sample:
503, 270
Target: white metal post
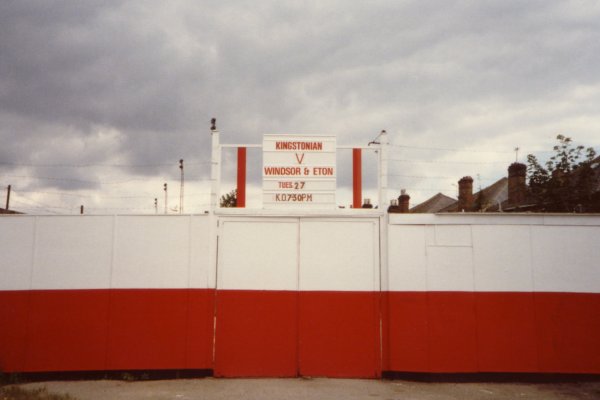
215, 170
383, 170
215, 178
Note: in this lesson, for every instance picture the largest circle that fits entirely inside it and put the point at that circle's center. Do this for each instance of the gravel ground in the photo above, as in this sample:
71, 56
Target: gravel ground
291, 389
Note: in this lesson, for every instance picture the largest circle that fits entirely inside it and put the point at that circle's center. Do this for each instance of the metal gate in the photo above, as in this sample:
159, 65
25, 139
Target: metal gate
298, 296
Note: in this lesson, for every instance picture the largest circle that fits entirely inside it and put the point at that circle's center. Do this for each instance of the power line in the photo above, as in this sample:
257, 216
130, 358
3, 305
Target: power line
73, 180
22, 198
450, 149
446, 162
438, 190
132, 196
76, 180
35, 165
400, 146
429, 177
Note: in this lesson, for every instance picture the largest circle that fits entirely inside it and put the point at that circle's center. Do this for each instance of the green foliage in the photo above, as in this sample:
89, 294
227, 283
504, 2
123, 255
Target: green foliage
229, 199
567, 183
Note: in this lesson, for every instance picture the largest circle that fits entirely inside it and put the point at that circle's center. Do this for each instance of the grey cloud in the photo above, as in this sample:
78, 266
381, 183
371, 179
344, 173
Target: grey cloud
449, 72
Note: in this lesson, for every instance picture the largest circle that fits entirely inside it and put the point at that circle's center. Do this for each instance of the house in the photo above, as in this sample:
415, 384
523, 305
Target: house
434, 204
508, 194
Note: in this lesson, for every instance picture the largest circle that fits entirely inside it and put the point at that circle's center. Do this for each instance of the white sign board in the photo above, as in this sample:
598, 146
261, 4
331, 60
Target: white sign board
299, 171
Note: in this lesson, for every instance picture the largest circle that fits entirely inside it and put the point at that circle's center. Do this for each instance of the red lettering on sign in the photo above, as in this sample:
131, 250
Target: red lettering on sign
323, 171
282, 170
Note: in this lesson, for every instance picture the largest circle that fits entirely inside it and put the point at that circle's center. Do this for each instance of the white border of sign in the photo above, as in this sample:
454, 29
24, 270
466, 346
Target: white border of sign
299, 171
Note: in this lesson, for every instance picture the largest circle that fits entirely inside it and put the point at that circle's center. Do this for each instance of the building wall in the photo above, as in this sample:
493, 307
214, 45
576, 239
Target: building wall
280, 295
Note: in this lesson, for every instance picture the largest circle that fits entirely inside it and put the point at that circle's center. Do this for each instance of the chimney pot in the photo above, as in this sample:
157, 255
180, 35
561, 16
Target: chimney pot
465, 193
517, 185
403, 201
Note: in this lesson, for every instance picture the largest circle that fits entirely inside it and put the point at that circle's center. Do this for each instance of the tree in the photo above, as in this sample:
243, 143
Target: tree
568, 183
229, 200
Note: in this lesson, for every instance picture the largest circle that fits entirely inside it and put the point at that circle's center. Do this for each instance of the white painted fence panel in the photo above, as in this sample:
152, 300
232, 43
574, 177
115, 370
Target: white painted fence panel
16, 252
72, 252
258, 254
339, 255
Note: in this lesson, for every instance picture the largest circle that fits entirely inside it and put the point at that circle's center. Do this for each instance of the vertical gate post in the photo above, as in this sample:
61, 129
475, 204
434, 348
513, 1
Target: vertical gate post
215, 168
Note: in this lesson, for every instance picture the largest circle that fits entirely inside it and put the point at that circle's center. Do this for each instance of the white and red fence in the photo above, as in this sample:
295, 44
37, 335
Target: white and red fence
347, 295
494, 293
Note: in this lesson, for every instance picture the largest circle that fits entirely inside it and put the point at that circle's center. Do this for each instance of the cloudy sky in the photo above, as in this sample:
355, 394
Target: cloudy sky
100, 99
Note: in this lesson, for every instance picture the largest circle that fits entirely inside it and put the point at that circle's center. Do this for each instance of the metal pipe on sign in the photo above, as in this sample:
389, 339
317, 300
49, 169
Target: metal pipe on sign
356, 177
241, 177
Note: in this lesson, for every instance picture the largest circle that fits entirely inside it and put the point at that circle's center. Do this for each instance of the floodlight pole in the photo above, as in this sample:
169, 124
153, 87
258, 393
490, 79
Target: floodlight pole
166, 198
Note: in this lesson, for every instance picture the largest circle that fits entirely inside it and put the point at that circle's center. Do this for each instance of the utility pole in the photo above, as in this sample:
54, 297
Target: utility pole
8, 197
166, 198
181, 188
155, 205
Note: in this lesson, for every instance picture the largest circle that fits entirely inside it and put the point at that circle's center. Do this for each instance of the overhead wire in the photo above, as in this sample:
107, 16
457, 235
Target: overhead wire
92, 165
140, 196
98, 182
450, 149
28, 203
446, 161
430, 177
19, 198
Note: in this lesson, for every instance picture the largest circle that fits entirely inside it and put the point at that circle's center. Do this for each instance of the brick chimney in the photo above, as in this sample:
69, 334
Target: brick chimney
465, 193
403, 201
517, 187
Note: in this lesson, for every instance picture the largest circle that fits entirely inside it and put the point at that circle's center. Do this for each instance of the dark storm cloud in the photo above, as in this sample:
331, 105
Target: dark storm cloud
150, 75
85, 65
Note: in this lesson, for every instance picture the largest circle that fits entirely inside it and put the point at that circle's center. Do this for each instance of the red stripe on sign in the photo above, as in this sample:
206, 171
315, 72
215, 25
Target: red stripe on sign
256, 333
339, 334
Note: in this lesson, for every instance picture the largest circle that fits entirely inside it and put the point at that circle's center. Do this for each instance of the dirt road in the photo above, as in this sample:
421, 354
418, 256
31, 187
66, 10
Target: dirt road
292, 389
